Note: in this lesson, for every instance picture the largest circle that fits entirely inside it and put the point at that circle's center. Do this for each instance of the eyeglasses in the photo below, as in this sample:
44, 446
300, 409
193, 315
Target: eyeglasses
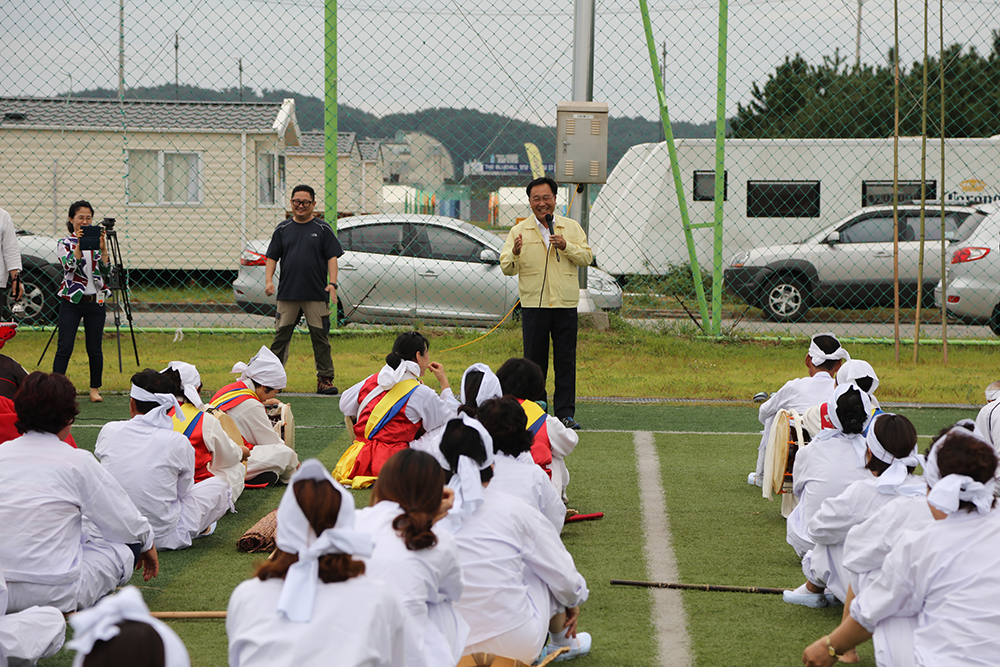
302, 203
535, 200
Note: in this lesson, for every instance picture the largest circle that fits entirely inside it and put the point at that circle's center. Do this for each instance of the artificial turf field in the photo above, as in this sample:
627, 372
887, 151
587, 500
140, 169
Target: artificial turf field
722, 531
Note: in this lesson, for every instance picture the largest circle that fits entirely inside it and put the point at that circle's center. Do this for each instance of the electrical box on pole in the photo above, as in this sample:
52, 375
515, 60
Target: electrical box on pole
582, 142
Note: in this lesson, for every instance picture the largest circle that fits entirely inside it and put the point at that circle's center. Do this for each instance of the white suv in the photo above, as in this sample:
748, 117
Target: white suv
973, 273
849, 263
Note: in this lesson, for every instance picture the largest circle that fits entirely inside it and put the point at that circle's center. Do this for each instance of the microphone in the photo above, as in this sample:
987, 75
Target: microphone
548, 221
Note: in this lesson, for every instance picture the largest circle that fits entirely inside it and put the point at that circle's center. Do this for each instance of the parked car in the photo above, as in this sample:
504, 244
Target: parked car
41, 276
849, 263
973, 274
396, 269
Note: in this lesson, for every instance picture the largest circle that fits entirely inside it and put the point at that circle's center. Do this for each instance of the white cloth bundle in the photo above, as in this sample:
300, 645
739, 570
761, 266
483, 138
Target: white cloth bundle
488, 388
295, 535
857, 440
100, 623
818, 356
157, 417
946, 492
389, 377
190, 381
890, 480
264, 368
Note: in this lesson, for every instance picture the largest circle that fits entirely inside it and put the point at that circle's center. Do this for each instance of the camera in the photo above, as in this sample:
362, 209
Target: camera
108, 223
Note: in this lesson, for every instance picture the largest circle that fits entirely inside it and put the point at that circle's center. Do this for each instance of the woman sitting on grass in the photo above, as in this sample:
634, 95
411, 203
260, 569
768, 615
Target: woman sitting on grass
520, 582
417, 562
307, 605
390, 409
946, 577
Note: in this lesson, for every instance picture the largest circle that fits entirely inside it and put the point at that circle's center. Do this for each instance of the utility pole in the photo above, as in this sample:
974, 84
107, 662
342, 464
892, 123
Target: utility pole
177, 47
241, 80
583, 91
857, 39
121, 50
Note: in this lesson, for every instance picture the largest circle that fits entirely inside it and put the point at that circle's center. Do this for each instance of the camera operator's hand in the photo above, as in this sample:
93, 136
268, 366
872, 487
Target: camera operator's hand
104, 245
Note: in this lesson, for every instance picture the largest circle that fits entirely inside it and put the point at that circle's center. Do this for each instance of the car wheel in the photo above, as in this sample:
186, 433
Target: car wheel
785, 299
40, 303
995, 320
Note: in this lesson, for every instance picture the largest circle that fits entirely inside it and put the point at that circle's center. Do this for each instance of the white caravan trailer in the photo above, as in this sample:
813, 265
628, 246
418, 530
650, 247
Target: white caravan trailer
777, 191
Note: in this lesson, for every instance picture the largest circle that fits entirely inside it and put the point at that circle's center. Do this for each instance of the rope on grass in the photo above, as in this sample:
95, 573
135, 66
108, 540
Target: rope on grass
699, 587
485, 334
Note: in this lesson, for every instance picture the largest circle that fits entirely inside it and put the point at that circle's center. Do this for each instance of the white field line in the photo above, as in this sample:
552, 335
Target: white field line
668, 609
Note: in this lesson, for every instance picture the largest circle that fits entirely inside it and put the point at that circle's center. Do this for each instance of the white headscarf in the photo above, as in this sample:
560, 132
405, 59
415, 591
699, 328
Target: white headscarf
946, 492
853, 370
466, 481
818, 356
190, 381
157, 417
100, 623
488, 388
857, 440
389, 377
264, 368
992, 395
295, 535
891, 480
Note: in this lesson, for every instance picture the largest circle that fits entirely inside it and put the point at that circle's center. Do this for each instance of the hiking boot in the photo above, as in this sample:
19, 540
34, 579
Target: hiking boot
569, 422
325, 386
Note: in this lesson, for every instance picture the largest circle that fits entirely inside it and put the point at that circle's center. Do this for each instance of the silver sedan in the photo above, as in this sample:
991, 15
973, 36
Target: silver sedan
397, 269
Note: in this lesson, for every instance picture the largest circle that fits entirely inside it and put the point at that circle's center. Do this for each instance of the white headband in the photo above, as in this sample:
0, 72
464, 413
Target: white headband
190, 381
264, 368
488, 388
857, 440
157, 417
992, 395
856, 369
389, 377
818, 356
295, 535
466, 481
946, 492
890, 480
100, 623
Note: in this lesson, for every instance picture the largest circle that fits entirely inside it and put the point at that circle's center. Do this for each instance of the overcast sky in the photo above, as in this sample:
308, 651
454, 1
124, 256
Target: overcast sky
406, 55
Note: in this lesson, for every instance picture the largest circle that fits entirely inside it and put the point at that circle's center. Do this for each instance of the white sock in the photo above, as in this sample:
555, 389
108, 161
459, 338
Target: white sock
561, 639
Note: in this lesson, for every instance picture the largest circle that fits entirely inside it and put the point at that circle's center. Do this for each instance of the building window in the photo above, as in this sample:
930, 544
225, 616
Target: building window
159, 177
782, 199
270, 179
879, 193
704, 186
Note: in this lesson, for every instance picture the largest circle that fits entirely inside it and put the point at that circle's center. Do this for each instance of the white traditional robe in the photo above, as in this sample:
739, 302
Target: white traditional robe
355, 623
29, 635
947, 576
823, 469
799, 395
529, 483
269, 453
47, 488
517, 573
227, 457
155, 466
563, 441
823, 565
426, 582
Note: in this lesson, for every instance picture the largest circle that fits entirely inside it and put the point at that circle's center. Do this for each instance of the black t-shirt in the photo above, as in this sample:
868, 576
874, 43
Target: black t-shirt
303, 248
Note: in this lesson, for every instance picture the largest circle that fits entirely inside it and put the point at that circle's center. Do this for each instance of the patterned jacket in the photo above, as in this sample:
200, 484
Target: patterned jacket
74, 271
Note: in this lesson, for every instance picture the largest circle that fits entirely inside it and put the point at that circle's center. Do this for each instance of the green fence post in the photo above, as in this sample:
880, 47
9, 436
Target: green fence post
720, 168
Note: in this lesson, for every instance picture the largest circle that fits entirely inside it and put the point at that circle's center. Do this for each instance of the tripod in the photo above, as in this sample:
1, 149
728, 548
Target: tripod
118, 284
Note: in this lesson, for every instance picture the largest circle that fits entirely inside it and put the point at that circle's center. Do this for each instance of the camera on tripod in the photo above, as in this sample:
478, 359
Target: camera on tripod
108, 224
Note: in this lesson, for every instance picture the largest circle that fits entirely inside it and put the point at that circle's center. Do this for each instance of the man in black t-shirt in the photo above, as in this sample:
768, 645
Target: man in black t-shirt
308, 250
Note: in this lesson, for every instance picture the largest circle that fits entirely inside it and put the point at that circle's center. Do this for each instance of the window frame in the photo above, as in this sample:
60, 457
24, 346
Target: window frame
710, 175
280, 185
754, 207
160, 177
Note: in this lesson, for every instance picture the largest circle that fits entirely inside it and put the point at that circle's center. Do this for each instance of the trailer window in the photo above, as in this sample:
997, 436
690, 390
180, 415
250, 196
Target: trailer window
879, 193
704, 186
783, 199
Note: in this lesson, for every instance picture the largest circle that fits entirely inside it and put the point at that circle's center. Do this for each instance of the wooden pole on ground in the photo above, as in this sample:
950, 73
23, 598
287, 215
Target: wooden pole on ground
699, 587
181, 615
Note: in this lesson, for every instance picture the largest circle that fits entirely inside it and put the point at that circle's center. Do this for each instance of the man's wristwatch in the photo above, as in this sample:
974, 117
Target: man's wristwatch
335, 286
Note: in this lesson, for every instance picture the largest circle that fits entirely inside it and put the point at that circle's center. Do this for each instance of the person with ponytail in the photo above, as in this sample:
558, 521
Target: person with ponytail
418, 562
514, 470
830, 463
891, 458
391, 409
944, 578
308, 606
520, 581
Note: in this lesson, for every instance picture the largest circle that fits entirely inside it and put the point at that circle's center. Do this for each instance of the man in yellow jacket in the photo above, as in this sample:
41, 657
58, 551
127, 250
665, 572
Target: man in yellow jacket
544, 252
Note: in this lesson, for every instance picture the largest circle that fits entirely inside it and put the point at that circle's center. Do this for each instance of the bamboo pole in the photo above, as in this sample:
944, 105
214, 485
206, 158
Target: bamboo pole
944, 242
699, 587
895, 181
923, 190
178, 615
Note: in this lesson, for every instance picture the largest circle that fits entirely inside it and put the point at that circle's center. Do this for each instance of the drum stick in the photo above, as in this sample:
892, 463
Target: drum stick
699, 587
176, 615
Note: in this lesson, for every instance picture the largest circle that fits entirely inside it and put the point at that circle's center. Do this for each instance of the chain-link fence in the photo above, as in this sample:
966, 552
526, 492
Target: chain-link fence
172, 118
